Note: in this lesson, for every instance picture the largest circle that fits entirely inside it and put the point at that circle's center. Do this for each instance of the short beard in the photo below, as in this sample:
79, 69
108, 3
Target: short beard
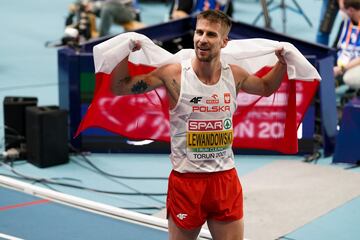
204, 59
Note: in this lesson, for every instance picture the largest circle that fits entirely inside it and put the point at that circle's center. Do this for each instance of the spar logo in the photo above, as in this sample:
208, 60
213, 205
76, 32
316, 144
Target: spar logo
210, 125
214, 99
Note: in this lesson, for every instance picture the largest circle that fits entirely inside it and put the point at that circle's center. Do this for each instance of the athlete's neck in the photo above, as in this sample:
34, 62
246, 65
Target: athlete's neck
207, 72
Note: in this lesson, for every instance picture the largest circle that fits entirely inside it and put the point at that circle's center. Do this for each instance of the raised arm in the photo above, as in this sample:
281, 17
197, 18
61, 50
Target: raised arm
123, 84
264, 86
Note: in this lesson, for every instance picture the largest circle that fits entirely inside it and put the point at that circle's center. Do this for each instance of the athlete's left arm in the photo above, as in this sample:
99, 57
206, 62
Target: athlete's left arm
264, 86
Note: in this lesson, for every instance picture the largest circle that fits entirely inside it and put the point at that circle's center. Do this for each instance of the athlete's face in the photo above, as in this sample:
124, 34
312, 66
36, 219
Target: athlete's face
209, 38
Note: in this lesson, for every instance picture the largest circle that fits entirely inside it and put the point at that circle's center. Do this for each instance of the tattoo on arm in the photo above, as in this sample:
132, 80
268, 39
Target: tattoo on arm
125, 79
139, 87
118, 82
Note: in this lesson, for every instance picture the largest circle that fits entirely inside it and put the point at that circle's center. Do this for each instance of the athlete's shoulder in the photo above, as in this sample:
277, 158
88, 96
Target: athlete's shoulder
172, 67
168, 69
237, 70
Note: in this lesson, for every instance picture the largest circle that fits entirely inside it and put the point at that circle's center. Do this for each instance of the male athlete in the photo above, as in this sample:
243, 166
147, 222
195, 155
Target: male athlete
203, 185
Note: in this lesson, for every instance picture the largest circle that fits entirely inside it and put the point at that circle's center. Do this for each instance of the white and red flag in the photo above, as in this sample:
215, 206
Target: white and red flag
268, 123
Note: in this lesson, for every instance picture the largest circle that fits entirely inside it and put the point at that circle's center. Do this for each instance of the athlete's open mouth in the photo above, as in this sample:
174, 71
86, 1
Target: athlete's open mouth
203, 49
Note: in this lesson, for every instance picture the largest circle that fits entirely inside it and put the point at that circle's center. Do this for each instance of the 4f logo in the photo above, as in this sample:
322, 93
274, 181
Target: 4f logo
196, 100
181, 216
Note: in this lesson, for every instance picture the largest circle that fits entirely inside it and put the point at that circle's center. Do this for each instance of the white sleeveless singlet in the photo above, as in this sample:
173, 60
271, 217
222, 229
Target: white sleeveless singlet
201, 126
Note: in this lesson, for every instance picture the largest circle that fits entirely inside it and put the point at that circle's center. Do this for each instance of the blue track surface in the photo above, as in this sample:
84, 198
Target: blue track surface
51, 220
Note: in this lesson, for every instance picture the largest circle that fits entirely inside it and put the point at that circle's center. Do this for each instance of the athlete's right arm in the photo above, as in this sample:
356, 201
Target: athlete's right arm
123, 84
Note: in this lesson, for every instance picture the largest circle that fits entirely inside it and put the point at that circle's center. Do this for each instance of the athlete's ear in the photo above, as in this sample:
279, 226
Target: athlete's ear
225, 41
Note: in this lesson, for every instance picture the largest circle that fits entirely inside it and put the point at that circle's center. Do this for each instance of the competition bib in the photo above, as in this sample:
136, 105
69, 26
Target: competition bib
209, 139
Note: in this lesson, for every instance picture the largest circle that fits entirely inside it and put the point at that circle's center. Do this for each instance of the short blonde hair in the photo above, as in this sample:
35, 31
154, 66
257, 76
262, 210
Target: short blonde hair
216, 16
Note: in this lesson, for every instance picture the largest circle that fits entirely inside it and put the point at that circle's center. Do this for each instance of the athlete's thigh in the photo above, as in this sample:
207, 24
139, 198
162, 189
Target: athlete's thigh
233, 230
177, 233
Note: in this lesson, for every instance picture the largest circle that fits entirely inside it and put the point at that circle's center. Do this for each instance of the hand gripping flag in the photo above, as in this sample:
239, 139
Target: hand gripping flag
268, 123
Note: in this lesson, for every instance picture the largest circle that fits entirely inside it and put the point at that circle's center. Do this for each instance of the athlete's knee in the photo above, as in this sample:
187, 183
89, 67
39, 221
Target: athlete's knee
179, 233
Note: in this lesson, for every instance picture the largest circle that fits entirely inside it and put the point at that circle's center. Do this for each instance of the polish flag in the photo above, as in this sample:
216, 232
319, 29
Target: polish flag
268, 123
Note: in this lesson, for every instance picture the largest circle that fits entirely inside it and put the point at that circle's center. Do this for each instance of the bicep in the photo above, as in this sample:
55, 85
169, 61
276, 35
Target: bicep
246, 82
253, 85
125, 85
143, 83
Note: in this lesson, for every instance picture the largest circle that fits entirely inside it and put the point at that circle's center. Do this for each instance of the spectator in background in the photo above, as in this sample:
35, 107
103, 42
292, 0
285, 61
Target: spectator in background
348, 56
183, 8
80, 24
118, 11
328, 15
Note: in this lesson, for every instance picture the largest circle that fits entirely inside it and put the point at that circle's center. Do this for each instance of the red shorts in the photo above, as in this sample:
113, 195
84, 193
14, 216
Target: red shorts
195, 197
